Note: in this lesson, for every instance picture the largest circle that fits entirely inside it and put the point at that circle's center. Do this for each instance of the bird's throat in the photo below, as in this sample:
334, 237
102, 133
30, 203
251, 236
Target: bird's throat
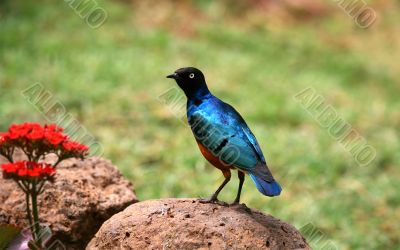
196, 93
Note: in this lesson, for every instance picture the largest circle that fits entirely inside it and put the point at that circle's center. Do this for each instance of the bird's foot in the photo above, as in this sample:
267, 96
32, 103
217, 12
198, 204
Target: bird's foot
213, 200
235, 203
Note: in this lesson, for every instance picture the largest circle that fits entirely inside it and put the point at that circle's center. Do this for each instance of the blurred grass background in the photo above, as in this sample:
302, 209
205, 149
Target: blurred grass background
256, 55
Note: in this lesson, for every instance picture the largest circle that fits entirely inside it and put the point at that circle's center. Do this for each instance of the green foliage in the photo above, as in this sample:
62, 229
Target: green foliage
110, 79
7, 234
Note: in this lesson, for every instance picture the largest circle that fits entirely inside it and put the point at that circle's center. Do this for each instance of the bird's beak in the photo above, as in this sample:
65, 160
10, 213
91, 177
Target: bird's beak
173, 76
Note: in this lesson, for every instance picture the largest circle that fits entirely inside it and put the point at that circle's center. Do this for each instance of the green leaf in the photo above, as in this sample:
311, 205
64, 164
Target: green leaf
7, 234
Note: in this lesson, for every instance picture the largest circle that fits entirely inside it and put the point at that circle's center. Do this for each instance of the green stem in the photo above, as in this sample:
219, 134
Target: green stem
36, 224
60, 159
23, 187
29, 214
26, 188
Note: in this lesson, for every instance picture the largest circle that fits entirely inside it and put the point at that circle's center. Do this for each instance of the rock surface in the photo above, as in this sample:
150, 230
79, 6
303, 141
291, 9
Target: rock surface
188, 224
84, 195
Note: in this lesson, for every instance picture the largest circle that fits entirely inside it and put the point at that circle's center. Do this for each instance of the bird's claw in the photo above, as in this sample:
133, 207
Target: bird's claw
213, 201
208, 200
235, 203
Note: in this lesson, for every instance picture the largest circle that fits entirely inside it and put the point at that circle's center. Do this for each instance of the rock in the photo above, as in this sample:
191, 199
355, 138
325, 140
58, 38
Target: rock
188, 224
84, 195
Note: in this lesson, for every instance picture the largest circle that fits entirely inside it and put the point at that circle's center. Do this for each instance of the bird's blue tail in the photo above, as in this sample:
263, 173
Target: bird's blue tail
266, 188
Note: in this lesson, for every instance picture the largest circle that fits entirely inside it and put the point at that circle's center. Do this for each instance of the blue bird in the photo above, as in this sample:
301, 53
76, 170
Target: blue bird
223, 136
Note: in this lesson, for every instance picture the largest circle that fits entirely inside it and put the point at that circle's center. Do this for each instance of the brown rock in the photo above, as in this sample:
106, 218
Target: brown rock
84, 195
188, 224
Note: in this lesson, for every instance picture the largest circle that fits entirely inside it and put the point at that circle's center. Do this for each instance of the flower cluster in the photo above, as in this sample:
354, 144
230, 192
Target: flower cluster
25, 170
36, 140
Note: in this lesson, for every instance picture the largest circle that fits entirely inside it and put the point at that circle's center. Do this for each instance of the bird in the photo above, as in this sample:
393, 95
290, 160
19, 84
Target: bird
223, 136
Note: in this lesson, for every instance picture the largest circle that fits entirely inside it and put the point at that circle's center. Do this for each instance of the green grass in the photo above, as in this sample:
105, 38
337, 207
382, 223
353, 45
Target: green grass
110, 79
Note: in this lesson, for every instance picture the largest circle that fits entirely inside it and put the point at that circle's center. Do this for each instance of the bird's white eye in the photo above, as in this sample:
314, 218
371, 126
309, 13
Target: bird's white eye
191, 75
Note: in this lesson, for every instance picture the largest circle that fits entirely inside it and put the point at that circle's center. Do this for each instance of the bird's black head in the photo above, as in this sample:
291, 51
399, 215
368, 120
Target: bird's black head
191, 81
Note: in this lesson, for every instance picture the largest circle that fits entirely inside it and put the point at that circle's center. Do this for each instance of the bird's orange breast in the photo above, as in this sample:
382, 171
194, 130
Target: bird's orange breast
214, 160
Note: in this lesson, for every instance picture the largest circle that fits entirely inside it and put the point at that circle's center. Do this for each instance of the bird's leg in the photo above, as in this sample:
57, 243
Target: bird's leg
214, 197
241, 181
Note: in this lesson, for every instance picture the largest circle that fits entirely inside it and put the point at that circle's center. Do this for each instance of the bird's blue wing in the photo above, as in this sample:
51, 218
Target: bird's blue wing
252, 139
226, 140
239, 122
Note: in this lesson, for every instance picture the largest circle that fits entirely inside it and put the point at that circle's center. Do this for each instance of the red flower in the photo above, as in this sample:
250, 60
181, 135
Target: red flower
22, 172
54, 138
17, 131
9, 168
53, 128
48, 170
36, 138
20, 165
24, 169
33, 131
36, 132
4, 137
74, 146
33, 172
